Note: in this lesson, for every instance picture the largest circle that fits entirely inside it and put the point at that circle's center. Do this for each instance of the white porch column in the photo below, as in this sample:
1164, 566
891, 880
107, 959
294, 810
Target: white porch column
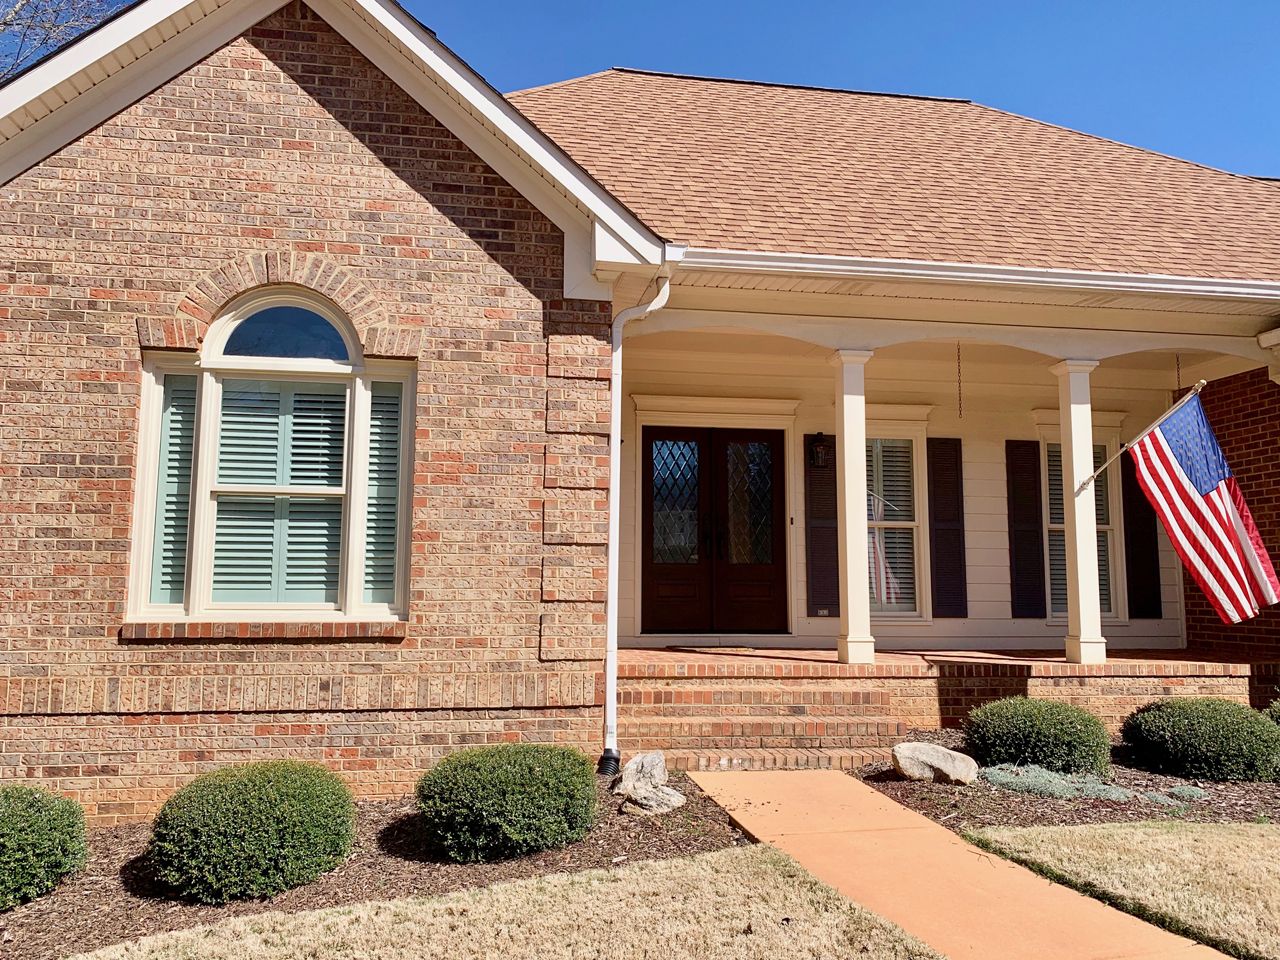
1085, 643
856, 643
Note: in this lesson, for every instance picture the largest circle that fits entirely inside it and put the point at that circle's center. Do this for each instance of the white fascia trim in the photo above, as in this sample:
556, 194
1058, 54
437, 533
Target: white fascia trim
101, 86
870, 268
81, 55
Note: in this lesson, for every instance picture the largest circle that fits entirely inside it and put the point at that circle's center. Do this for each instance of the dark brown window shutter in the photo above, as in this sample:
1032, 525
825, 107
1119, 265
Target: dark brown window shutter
821, 532
1026, 528
1141, 547
948, 575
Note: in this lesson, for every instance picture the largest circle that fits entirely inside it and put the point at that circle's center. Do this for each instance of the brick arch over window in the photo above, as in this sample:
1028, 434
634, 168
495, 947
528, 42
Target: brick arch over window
205, 299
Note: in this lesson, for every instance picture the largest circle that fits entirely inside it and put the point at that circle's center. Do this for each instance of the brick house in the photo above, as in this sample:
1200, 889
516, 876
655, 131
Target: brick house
351, 410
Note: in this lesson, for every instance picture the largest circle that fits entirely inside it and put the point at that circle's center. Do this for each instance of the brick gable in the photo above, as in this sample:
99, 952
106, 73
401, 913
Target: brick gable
287, 156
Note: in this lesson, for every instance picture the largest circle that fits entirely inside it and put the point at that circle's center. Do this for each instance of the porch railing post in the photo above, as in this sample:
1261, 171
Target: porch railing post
1085, 643
856, 642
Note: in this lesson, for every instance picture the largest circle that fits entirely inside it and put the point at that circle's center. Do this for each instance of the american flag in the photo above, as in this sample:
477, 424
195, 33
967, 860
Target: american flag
1185, 476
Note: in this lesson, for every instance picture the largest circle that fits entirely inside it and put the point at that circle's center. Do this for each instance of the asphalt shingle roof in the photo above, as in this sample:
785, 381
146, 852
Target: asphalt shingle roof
749, 166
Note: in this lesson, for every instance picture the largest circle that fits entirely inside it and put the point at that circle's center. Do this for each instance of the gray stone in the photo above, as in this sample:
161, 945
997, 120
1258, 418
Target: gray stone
928, 761
643, 785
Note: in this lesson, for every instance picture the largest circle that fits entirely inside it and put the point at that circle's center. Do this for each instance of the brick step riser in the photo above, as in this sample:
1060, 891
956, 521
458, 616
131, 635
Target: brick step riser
746, 708
631, 745
711, 760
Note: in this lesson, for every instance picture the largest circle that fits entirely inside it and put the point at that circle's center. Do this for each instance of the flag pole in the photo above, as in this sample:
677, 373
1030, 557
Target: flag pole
1194, 391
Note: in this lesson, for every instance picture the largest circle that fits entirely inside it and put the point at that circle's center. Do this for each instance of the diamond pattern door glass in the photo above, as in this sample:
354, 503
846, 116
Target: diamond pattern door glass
749, 475
675, 501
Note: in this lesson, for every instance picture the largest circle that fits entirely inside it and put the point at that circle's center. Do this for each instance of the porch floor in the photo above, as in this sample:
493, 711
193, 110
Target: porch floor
752, 708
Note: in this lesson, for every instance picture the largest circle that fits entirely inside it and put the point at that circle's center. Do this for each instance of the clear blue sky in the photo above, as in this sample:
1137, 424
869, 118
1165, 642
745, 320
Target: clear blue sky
1195, 78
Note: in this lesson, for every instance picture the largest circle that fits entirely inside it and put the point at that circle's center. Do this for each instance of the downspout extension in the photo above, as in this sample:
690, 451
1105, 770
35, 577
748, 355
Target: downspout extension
611, 758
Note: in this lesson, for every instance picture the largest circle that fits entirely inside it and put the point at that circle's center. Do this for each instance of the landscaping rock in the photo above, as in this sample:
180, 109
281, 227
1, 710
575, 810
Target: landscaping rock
928, 761
643, 786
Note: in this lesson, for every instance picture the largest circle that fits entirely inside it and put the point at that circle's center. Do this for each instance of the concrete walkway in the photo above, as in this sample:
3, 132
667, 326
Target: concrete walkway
961, 901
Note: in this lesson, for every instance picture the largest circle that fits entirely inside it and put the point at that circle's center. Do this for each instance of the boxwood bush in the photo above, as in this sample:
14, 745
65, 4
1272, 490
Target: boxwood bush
1047, 733
252, 831
41, 841
493, 803
1205, 738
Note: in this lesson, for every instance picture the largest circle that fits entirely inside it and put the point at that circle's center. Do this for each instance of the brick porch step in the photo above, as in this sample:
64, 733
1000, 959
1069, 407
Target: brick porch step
806, 732
703, 698
759, 759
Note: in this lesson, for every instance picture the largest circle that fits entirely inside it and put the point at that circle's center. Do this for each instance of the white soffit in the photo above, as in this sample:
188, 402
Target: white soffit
842, 274
142, 48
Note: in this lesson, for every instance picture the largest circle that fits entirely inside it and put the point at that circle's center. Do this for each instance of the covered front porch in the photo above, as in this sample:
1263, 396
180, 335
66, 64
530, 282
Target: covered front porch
922, 495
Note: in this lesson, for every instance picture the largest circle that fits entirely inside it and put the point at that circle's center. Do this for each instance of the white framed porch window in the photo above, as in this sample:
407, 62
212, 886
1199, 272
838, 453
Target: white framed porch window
273, 479
1110, 539
897, 513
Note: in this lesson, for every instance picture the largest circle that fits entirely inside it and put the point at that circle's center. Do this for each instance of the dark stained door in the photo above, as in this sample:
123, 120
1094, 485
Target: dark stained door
714, 537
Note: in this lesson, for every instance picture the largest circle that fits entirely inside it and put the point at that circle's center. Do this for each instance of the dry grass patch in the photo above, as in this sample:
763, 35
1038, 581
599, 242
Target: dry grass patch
737, 904
1218, 883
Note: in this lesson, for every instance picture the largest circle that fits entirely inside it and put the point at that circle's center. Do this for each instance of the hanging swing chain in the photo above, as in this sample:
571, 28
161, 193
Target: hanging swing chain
1177, 362
959, 383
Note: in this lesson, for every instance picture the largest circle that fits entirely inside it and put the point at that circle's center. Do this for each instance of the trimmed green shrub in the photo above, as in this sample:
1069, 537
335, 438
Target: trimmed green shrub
251, 831
1047, 733
41, 841
493, 803
1205, 738
1273, 711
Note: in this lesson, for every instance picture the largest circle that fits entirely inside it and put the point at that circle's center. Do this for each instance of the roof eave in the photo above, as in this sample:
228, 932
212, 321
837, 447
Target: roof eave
870, 268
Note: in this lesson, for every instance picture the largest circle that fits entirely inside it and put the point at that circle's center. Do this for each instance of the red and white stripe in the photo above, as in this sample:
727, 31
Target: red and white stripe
1213, 534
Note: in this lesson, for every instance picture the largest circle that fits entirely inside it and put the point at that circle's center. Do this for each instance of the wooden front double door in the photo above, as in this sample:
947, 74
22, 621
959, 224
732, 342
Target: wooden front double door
714, 531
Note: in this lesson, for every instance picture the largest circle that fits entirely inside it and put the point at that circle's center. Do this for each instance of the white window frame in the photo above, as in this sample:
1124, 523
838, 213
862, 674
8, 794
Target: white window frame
210, 368
908, 422
1106, 434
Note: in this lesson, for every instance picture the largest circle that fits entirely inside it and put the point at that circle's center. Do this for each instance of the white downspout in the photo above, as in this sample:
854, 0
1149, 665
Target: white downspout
611, 758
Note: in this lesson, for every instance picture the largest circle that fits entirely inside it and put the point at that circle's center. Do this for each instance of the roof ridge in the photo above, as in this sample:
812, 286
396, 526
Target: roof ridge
740, 81
559, 83
1120, 143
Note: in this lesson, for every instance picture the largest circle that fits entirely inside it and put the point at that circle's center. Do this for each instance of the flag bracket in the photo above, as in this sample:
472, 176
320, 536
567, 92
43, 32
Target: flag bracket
1194, 391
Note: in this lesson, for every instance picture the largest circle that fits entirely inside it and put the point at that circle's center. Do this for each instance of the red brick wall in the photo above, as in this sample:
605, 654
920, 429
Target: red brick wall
286, 155
1244, 412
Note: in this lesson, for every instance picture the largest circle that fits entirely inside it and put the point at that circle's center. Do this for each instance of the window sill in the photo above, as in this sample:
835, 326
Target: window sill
243, 630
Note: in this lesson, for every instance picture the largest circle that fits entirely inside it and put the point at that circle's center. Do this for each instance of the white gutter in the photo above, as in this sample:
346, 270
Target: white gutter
870, 268
611, 758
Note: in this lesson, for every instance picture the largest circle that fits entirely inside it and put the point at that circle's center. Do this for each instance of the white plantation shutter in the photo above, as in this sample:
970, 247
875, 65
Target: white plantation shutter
312, 549
317, 435
382, 509
250, 436
891, 477
270, 549
244, 551
1057, 537
1057, 571
173, 490
891, 550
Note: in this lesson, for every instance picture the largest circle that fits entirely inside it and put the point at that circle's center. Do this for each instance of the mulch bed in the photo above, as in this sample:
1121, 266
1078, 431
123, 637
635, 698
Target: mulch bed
982, 805
114, 900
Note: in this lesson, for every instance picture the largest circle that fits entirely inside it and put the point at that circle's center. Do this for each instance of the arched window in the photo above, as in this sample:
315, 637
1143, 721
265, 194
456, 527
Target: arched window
281, 467
291, 332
